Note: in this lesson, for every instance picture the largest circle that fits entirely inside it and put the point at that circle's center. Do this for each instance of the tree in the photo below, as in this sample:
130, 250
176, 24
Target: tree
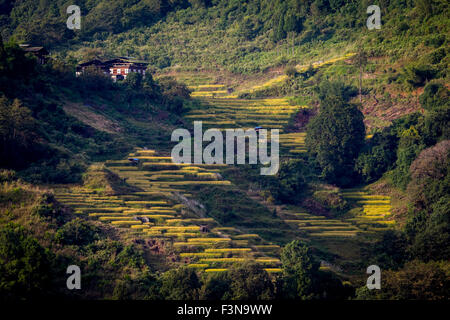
250, 281
390, 252
435, 126
77, 232
180, 284
88, 54
429, 224
248, 28
216, 287
335, 136
93, 79
24, 265
434, 96
378, 156
417, 74
290, 182
134, 80
430, 166
17, 133
299, 269
360, 60
408, 149
430, 232
416, 281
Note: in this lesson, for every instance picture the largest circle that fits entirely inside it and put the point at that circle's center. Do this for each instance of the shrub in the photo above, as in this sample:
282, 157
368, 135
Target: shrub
24, 265
77, 232
290, 182
409, 147
418, 74
434, 95
180, 284
249, 281
291, 71
378, 156
48, 208
416, 281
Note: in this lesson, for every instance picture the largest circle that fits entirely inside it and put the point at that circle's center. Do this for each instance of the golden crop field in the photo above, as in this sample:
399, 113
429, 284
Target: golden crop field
376, 209
152, 213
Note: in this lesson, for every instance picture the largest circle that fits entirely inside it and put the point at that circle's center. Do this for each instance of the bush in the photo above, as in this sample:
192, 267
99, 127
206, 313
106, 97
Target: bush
48, 208
434, 96
180, 284
418, 74
409, 147
7, 175
24, 265
391, 251
332, 200
378, 156
290, 183
134, 80
416, 281
250, 281
77, 232
216, 287
291, 72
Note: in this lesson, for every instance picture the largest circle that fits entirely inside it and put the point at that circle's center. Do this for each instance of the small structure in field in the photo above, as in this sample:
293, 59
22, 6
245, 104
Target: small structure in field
134, 161
40, 53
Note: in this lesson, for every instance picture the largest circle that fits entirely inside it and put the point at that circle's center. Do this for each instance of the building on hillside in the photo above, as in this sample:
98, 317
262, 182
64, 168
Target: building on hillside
93, 64
40, 53
117, 68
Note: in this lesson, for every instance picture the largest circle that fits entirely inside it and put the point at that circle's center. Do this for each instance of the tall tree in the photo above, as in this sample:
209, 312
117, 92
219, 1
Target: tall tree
335, 136
250, 282
360, 60
299, 270
180, 284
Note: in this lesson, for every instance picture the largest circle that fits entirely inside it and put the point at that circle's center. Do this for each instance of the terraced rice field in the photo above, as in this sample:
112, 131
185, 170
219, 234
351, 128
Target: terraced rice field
312, 226
160, 210
375, 213
293, 143
315, 65
224, 113
228, 112
222, 110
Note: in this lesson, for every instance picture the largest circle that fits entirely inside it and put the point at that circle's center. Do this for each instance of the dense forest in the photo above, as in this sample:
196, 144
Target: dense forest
372, 124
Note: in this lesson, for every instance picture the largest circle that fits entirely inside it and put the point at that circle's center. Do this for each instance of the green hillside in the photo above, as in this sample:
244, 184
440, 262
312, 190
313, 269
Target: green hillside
363, 177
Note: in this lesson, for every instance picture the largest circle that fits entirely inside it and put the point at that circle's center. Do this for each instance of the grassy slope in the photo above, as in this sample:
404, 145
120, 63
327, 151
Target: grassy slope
200, 55
196, 42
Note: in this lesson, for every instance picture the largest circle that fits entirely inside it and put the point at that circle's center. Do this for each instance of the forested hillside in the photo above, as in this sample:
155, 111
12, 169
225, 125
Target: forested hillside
87, 177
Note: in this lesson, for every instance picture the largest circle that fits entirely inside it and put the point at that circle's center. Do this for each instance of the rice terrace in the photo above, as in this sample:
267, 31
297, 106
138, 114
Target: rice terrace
224, 151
